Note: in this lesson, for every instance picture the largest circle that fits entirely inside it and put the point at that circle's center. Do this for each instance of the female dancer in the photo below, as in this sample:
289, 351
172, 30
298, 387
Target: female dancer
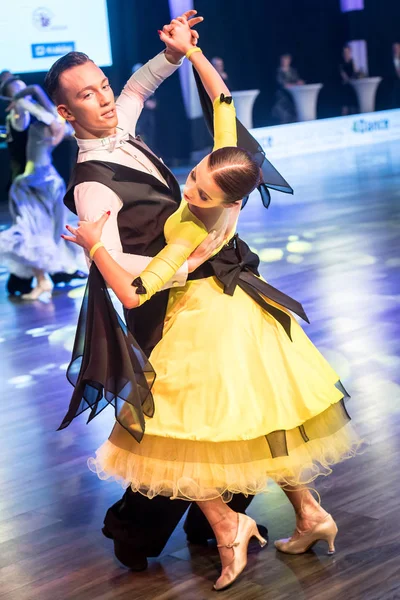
31, 247
241, 393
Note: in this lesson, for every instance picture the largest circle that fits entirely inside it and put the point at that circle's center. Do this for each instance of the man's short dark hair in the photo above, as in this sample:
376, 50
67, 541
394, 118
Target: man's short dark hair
6, 82
6, 74
52, 80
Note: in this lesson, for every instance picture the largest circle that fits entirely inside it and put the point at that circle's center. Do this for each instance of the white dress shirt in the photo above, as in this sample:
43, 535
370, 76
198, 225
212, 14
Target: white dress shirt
92, 199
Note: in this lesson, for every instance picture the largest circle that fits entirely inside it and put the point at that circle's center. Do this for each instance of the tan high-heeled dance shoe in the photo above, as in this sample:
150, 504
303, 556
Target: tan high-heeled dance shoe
326, 530
44, 287
247, 528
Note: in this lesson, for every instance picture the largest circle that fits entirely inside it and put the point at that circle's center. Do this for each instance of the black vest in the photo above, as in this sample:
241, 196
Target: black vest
146, 205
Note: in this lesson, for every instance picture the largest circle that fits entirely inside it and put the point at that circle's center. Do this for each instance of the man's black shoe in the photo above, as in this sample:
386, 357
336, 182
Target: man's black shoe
79, 275
18, 285
61, 277
130, 558
135, 561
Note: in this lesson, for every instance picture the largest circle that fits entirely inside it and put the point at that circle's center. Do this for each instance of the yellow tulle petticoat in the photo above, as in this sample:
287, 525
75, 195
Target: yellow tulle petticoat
236, 403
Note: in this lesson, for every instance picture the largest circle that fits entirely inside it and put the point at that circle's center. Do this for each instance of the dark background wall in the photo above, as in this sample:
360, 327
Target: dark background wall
382, 26
252, 35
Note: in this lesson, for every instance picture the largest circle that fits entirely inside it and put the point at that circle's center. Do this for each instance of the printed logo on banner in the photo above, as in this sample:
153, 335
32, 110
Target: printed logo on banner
44, 20
364, 126
296, 139
55, 49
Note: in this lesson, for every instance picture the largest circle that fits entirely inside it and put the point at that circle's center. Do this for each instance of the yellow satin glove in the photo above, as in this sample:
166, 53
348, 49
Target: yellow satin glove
225, 133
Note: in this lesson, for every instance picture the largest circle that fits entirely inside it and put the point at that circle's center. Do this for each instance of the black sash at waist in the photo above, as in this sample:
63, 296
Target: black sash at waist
236, 265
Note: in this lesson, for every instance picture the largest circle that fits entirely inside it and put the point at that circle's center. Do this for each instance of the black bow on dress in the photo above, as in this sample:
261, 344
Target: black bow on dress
226, 99
236, 265
138, 284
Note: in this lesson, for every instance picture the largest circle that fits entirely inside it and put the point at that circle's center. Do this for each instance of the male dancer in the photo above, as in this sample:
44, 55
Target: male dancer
117, 172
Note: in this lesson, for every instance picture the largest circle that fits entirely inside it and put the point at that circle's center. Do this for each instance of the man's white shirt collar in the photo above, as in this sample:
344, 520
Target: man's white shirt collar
109, 143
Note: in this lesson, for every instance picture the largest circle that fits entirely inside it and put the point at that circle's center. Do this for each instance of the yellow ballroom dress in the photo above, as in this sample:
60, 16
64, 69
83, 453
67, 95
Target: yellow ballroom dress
237, 401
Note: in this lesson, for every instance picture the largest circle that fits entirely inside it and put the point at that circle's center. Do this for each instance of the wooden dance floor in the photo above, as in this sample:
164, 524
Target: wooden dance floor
334, 245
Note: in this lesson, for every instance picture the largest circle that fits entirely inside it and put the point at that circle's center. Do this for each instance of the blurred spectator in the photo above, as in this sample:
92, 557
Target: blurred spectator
219, 65
348, 72
284, 110
395, 75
